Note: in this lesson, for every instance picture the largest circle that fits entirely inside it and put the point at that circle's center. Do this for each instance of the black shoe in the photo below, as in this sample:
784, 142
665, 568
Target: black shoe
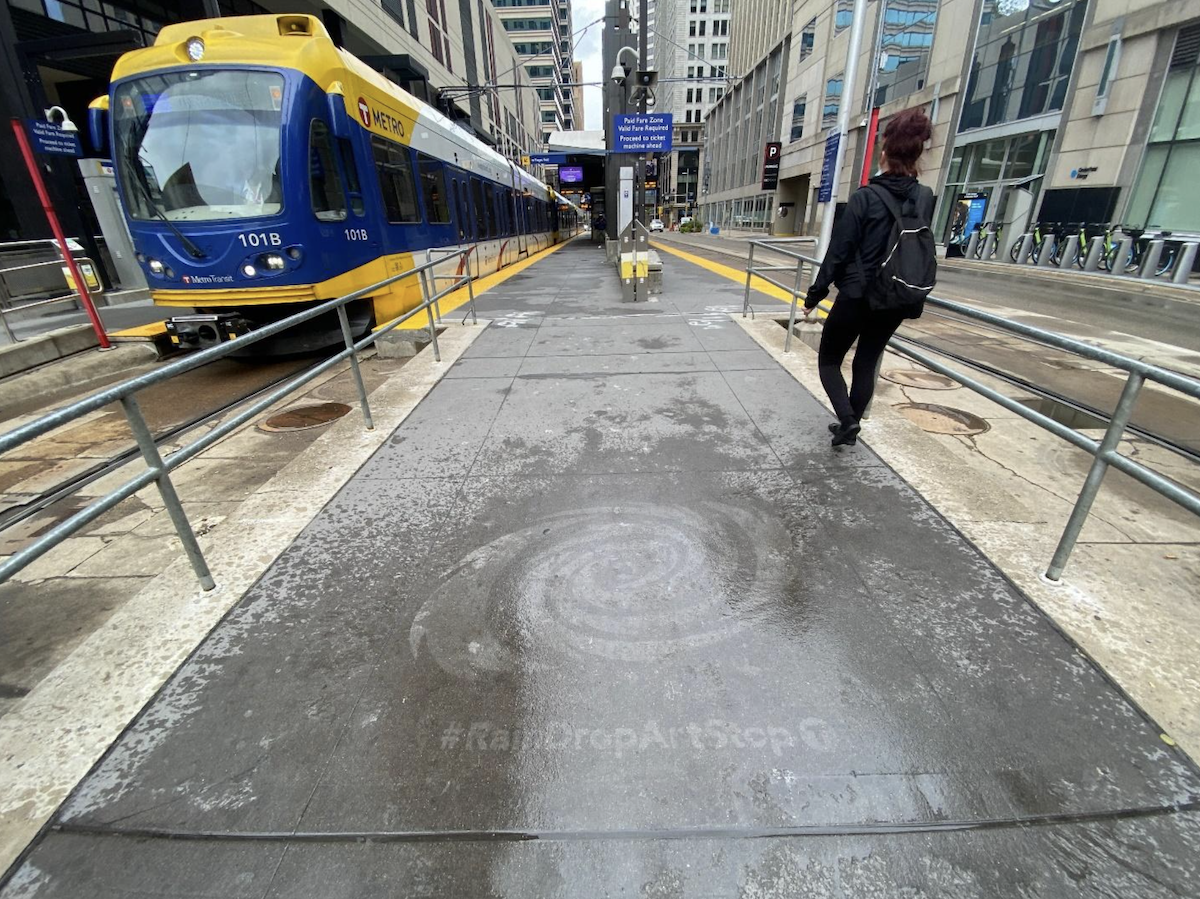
834, 427
846, 433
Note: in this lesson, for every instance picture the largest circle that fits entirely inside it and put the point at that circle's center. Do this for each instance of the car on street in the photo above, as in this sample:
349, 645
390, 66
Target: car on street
656, 225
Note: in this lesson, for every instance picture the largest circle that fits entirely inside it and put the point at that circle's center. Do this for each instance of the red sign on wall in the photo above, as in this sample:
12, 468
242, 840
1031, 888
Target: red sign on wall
770, 173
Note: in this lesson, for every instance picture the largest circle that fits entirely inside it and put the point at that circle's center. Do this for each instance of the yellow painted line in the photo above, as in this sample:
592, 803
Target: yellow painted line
460, 297
739, 277
141, 332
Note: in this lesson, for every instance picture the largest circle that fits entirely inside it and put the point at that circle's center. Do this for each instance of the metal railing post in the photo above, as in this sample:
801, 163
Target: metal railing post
471, 296
344, 320
1091, 486
787, 342
749, 274
145, 442
437, 355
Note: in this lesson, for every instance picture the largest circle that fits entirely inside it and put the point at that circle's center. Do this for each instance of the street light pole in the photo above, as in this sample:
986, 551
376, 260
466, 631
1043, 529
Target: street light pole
843, 121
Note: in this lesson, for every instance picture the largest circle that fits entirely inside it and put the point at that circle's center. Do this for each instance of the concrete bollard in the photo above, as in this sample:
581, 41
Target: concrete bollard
1095, 252
1149, 267
1184, 263
1026, 248
1046, 253
972, 244
989, 246
1070, 252
1124, 248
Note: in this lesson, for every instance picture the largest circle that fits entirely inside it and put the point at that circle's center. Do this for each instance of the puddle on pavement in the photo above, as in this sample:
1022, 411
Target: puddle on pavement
936, 419
1065, 414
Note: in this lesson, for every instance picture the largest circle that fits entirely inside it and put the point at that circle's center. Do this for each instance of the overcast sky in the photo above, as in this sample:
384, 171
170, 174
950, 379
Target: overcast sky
587, 49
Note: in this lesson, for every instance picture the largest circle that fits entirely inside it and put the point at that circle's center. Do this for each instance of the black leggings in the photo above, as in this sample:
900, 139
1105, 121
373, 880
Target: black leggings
853, 318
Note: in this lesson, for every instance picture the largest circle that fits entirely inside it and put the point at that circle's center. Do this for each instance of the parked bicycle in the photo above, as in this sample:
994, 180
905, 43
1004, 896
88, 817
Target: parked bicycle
996, 228
1015, 251
1132, 262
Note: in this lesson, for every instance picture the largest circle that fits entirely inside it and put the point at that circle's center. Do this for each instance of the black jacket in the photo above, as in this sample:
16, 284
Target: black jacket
860, 240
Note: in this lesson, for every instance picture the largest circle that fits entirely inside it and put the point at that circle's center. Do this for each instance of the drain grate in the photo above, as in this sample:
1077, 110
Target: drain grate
303, 417
937, 419
919, 378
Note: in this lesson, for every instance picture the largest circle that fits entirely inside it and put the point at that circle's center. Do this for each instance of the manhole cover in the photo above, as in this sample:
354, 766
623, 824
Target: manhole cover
913, 377
942, 419
302, 417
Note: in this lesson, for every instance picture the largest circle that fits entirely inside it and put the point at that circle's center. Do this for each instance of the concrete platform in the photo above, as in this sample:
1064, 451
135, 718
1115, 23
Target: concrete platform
607, 616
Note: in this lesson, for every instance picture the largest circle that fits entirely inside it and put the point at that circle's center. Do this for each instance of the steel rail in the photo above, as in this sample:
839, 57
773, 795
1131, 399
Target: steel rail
1104, 452
158, 469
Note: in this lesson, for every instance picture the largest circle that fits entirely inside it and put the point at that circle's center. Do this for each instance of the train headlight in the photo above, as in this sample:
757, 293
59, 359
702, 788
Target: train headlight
249, 271
156, 267
274, 262
195, 49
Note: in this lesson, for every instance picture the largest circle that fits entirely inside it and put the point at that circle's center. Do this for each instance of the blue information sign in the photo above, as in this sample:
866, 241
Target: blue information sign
547, 158
52, 140
827, 178
642, 133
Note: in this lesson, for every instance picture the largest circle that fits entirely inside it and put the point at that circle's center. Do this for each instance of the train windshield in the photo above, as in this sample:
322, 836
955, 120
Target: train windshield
200, 145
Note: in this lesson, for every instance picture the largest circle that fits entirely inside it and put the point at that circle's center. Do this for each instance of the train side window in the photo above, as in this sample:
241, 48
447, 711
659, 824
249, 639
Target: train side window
433, 189
464, 214
490, 201
512, 213
350, 167
395, 172
328, 197
477, 201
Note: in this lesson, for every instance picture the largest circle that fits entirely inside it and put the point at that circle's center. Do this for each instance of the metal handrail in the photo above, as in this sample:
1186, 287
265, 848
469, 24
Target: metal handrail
158, 468
7, 304
434, 277
1104, 451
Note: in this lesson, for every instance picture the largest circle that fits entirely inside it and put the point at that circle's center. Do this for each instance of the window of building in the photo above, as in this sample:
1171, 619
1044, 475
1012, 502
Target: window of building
833, 98
844, 15
394, 169
328, 197
721, 28
393, 9
439, 39
1167, 193
433, 189
703, 24
1112, 58
692, 51
692, 28
1022, 62
720, 51
808, 39
700, 51
799, 108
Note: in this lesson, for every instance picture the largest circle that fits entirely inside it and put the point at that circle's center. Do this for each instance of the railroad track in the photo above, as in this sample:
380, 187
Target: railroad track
918, 335
15, 514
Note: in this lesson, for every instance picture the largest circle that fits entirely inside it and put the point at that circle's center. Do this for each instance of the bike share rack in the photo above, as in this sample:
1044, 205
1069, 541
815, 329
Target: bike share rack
1180, 272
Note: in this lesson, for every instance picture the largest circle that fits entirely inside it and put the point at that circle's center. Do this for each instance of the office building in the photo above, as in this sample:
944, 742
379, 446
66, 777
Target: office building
541, 34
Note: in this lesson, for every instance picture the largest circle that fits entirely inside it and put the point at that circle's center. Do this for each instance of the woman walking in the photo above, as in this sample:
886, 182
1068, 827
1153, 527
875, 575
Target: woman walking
867, 234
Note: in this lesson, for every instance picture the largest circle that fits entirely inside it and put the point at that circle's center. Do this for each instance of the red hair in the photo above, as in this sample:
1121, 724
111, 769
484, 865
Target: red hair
904, 139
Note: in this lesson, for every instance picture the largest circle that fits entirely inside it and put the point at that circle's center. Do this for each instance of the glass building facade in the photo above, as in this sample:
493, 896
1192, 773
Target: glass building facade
1023, 58
1167, 191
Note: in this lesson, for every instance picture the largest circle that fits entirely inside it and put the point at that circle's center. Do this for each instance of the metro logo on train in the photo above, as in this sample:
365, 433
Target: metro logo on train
364, 112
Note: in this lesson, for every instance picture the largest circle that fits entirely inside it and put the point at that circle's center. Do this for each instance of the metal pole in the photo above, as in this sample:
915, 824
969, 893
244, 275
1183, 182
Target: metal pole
1091, 486
643, 65
1184, 263
425, 295
787, 341
749, 273
471, 296
843, 121
344, 320
145, 442
80, 285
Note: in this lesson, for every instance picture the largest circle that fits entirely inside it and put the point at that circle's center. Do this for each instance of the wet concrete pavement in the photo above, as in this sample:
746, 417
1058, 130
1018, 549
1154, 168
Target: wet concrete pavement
607, 616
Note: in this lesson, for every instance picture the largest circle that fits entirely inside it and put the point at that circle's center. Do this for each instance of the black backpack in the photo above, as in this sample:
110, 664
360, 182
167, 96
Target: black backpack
909, 269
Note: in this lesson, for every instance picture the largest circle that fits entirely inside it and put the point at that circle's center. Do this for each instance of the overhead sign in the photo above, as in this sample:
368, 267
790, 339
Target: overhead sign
642, 133
51, 140
547, 158
770, 173
827, 174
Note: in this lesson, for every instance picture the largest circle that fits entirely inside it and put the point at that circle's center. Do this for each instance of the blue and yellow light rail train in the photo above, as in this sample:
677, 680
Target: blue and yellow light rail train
262, 169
